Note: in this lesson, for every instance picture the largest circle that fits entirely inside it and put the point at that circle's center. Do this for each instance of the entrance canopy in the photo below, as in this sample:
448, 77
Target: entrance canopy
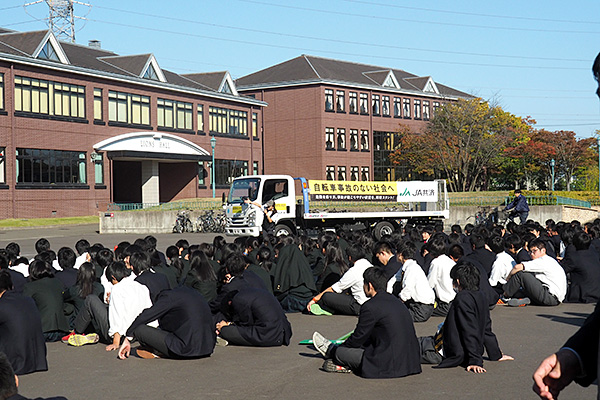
151, 146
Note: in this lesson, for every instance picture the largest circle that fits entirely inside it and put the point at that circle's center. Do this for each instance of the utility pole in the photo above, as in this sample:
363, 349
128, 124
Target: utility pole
61, 18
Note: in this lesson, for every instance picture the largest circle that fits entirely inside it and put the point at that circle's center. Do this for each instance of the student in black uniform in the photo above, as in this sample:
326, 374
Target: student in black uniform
21, 337
467, 330
202, 276
186, 328
156, 283
256, 319
383, 344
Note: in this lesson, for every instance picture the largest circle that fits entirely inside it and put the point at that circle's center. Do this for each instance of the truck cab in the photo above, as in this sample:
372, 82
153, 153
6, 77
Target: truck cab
246, 219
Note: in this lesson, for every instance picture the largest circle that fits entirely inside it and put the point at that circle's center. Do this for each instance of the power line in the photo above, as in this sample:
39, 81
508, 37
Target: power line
338, 13
254, 43
352, 42
514, 17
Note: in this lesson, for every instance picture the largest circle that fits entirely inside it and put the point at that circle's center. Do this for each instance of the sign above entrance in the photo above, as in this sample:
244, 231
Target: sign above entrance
151, 142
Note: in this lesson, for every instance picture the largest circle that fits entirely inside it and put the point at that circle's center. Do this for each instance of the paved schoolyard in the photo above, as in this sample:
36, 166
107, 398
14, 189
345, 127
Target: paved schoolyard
527, 333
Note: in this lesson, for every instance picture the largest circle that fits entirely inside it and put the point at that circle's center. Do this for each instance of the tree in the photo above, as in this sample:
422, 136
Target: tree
465, 140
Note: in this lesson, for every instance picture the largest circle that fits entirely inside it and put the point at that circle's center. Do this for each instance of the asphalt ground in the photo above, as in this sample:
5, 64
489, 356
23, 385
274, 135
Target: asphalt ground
89, 372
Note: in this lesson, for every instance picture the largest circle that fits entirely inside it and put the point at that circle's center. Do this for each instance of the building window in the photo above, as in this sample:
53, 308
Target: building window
375, 104
228, 122
98, 168
329, 139
330, 173
200, 117
385, 106
98, 104
340, 101
51, 167
174, 114
364, 140
254, 167
341, 173
364, 103
353, 173
425, 110
436, 106
128, 108
406, 108
353, 139
328, 100
255, 125
341, 139
48, 53
227, 170
397, 107
353, 103
3, 165
417, 104
50, 98
1, 91
364, 173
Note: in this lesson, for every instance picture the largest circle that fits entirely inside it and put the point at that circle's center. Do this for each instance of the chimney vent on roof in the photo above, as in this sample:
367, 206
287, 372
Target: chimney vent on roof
95, 44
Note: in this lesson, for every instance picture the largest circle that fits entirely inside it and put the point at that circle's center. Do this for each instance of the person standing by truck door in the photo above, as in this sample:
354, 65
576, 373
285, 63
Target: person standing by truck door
268, 225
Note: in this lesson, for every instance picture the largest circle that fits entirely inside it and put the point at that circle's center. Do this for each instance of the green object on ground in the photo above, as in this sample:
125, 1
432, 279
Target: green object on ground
339, 340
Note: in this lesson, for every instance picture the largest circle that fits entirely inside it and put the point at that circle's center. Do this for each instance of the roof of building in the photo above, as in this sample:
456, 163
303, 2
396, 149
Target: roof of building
307, 69
141, 68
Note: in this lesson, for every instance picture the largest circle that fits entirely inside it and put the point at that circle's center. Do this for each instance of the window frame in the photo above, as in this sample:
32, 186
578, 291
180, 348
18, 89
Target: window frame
329, 104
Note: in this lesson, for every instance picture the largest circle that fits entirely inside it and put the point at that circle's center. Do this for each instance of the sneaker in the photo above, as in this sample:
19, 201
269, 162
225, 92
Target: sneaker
79, 340
330, 366
502, 301
221, 341
321, 343
518, 302
316, 309
65, 339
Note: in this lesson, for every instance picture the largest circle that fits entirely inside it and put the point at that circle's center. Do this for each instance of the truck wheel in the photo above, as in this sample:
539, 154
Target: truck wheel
382, 228
282, 229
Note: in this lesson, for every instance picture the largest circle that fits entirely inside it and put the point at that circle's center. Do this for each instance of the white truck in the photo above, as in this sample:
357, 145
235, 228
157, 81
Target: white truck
415, 202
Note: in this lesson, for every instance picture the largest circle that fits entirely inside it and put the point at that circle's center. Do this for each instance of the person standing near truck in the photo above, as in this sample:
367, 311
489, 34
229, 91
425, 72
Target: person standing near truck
268, 225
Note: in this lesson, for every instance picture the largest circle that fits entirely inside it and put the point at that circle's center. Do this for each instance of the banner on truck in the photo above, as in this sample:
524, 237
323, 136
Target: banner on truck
410, 191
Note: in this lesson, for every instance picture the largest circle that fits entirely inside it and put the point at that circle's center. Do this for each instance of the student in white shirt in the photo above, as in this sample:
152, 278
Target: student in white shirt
127, 300
412, 286
542, 280
332, 300
439, 277
503, 264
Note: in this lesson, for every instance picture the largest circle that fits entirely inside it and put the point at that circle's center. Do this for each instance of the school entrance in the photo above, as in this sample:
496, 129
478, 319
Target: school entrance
151, 168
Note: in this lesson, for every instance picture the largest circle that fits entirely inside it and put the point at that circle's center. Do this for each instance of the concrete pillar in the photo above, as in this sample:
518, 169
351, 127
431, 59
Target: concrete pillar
150, 183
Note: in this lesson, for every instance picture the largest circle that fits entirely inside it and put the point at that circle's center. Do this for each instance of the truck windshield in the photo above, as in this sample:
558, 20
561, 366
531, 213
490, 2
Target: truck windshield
243, 188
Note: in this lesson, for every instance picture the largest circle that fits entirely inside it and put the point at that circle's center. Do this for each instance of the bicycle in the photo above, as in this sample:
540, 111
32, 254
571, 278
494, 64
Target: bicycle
183, 222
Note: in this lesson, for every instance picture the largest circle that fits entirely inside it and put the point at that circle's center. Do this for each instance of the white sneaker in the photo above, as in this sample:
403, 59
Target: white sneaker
321, 343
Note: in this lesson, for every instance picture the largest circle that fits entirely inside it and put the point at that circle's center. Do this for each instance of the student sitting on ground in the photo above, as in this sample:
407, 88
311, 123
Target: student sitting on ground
383, 344
439, 277
541, 281
293, 281
413, 288
333, 300
503, 264
85, 286
21, 337
583, 267
467, 330
66, 260
46, 291
202, 276
255, 318
185, 327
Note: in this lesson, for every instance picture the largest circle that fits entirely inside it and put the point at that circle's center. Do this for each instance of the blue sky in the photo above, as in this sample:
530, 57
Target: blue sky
533, 57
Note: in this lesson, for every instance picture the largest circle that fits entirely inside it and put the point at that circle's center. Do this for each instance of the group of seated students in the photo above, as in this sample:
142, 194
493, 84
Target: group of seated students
177, 304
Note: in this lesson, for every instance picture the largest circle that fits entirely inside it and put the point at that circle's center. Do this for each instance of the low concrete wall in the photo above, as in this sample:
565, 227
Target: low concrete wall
140, 221
463, 215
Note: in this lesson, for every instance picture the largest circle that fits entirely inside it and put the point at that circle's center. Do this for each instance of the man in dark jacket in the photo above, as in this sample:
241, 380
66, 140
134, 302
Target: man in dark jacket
21, 337
467, 330
256, 319
583, 267
383, 344
185, 327
520, 206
